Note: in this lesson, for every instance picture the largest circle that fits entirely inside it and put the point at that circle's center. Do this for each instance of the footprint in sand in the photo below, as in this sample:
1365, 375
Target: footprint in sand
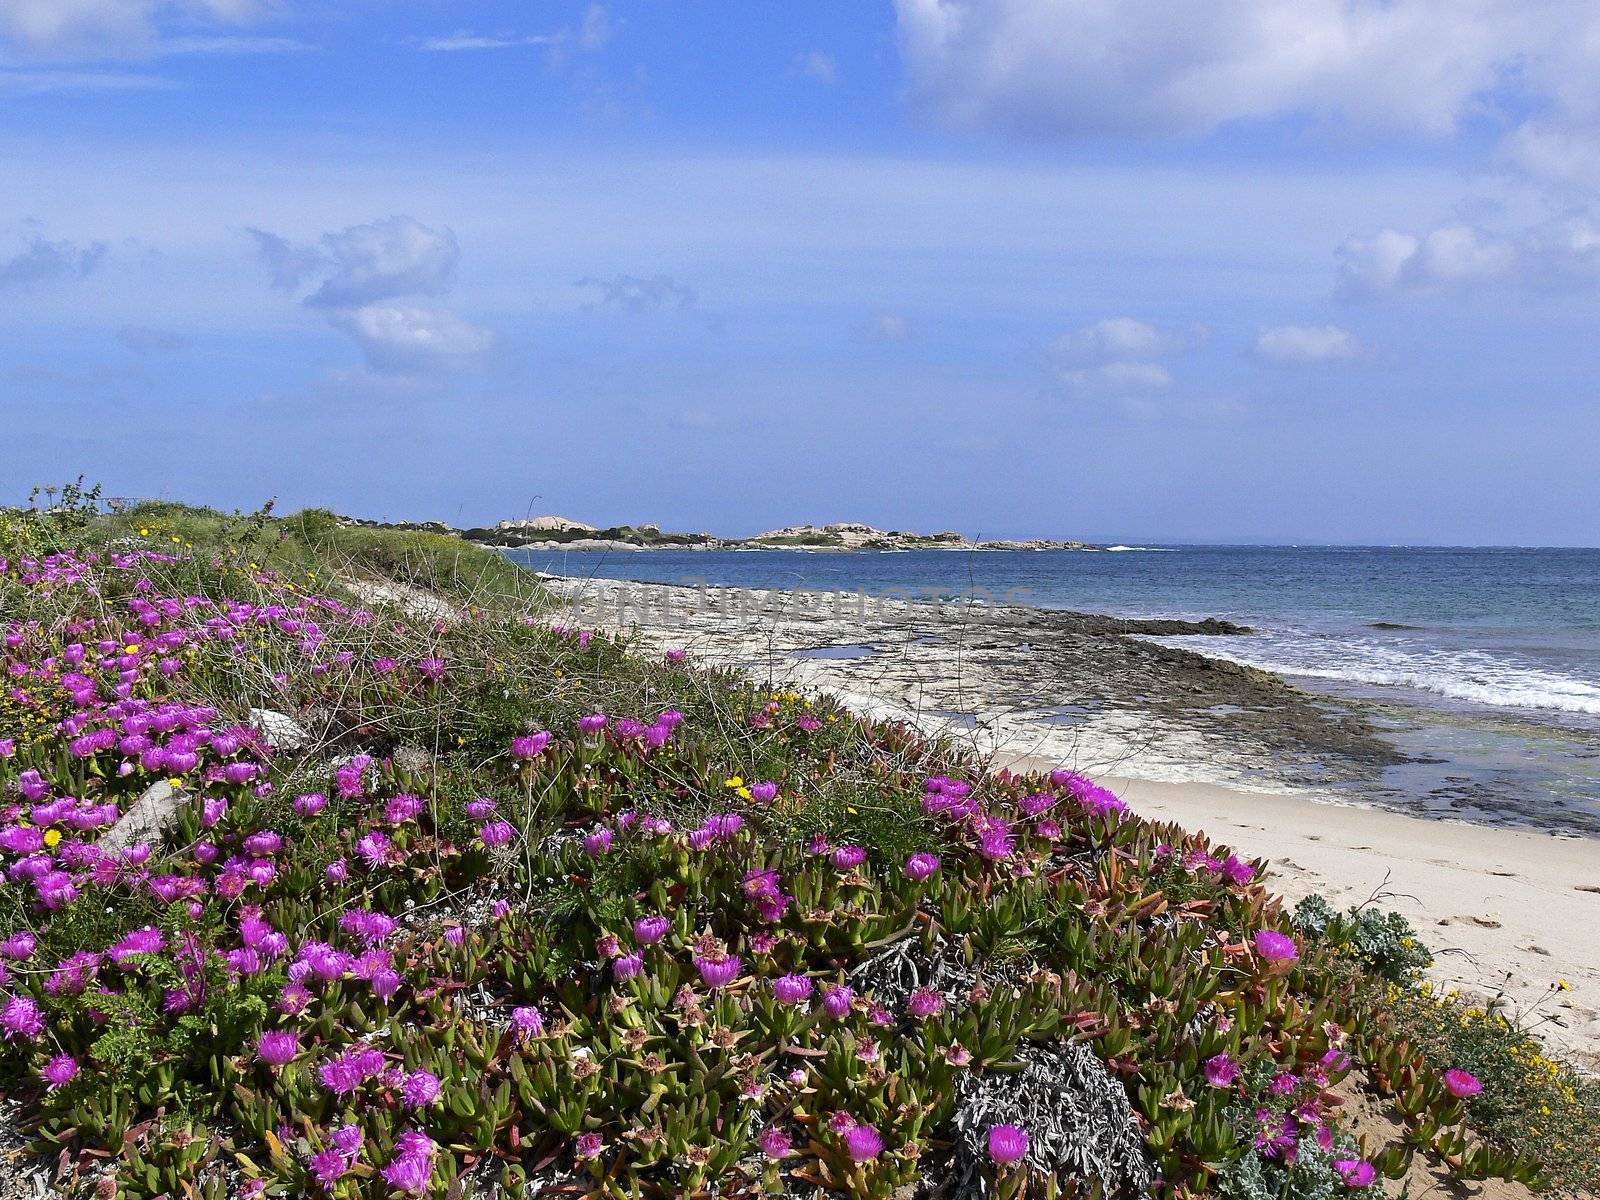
1483, 922
1587, 887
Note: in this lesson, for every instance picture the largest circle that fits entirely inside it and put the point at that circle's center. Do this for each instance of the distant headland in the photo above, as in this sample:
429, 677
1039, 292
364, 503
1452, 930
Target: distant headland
568, 534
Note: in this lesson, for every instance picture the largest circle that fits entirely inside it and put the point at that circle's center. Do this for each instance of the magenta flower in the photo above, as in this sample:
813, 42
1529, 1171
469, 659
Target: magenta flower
836, 1002
59, 1071
627, 966
328, 1167
791, 989
717, 971
1356, 1172
498, 833
411, 1168
597, 843
849, 857
647, 931
20, 1017
431, 668
1221, 1070
420, 1089
593, 723
310, 804
925, 1003
863, 1143
921, 865
277, 1047
589, 1146
1007, 1144
764, 793
1273, 946
775, 1143
1462, 1084
529, 745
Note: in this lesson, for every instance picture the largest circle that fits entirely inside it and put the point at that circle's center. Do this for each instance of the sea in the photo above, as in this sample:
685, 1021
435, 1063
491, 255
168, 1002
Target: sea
1481, 664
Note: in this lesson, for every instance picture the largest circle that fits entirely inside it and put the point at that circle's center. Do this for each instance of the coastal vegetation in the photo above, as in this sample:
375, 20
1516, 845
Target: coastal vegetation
337, 864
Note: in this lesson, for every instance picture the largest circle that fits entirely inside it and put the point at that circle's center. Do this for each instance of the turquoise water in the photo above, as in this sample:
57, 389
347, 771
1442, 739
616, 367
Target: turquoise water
1484, 661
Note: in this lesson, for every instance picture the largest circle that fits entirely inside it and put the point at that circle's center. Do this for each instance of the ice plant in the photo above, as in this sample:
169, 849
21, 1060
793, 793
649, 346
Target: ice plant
1007, 1144
1462, 1084
863, 1143
1275, 947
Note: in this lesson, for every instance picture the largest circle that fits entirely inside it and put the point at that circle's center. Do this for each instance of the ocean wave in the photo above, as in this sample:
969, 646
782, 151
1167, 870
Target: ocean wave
1145, 549
1465, 675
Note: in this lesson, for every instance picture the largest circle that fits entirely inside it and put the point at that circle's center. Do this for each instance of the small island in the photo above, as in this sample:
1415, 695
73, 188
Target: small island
568, 534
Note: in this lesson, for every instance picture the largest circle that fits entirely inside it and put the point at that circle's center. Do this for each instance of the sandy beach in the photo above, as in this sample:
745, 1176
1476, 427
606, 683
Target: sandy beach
1241, 756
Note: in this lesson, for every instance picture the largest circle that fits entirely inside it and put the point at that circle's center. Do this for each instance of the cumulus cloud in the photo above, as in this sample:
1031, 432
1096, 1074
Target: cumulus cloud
1119, 378
1125, 338
1564, 252
365, 280
41, 261
814, 64
638, 294
1041, 68
886, 326
1121, 359
395, 256
1296, 345
406, 339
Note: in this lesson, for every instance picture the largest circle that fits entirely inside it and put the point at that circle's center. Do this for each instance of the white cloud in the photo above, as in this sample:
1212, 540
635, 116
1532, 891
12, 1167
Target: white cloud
117, 28
1125, 338
817, 65
397, 256
1305, 344
404, 339
1563, 252
592, 33
886, 326
466, 40
1120, 378
365, 272
1067, 68
1119, 359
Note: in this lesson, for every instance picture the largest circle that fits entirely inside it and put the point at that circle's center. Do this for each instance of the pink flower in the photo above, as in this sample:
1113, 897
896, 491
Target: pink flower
647, 931
1462, 1084
1221, 1070
775, 1143
1356, 1172
1273, 946
717, 972
863, 1143
276, 1047
925, 1003
837, 1001
920, 866
791, 989
1007, 1144
59, 1071
849, 857
529, 745
589, 1146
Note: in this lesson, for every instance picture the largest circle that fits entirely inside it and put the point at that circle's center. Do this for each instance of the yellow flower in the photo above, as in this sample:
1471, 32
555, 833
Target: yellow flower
52, 837
1563, 986
144, 533
733, 782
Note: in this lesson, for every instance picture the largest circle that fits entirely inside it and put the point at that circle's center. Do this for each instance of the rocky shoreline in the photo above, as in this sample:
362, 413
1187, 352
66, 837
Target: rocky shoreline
1081, 688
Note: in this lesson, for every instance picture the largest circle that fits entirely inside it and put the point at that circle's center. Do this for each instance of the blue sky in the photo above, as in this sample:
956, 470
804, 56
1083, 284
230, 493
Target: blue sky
1311, 270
